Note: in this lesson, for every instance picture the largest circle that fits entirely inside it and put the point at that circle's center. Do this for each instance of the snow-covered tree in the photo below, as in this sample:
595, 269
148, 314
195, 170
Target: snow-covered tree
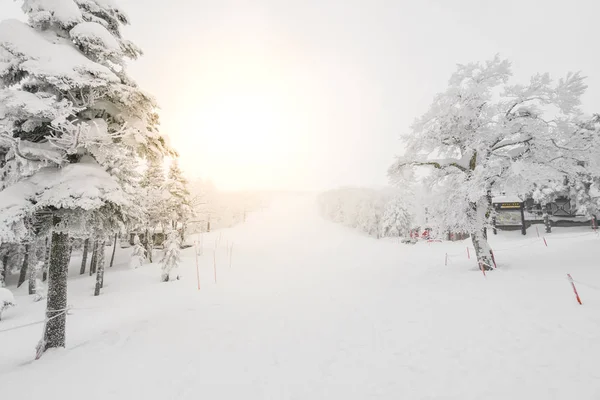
179, 203
377, 212
68, 107
171, 256
483, 136
138, 254
155, 201
396, 219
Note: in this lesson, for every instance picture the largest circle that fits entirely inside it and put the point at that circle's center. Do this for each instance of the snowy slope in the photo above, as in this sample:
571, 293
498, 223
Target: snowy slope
312, 310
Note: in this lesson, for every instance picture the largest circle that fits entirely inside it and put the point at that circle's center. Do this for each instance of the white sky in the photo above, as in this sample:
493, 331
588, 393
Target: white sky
312, 94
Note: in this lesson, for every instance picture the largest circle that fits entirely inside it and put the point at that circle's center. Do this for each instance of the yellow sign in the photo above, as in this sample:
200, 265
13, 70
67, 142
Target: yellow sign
510, 205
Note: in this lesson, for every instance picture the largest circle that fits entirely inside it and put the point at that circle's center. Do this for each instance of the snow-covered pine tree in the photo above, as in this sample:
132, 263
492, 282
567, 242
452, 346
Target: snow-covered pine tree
396, 220
138, 254
171, 256
67, 103
179, 203
482, 136
155, 202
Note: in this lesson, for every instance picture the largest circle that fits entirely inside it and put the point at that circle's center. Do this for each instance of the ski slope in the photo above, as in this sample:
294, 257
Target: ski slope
311, 310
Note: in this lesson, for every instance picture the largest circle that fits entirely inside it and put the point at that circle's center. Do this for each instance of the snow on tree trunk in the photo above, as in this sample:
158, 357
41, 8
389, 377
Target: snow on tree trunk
483, 251
546, 217
149, 242
35, 252
86, 247
3, 268
33, 274
23, 274
54, 334
100, 259
114, 250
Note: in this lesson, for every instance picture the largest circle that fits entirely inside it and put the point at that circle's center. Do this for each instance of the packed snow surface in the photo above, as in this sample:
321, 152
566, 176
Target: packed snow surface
312, 310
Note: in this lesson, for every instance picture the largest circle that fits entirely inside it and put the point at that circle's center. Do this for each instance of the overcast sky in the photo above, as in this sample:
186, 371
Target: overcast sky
343, 77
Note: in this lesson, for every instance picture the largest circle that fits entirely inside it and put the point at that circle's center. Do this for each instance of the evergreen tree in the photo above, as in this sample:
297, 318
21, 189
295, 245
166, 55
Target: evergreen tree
180, 202
171, 257
155, 202
67, 107
396, 220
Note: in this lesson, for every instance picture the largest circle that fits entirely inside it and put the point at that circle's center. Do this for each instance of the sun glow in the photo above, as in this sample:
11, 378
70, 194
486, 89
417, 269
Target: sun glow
247, 132
244, 114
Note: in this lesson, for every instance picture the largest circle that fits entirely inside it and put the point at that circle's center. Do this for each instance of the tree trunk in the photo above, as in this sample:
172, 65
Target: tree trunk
3, 269
94, 261
36, 252
100, 273
546, 217
112, 257
54, 334
482, 251
47, 259
482, 212
149, 245
23, 274
86, 248
71, 244
33, 273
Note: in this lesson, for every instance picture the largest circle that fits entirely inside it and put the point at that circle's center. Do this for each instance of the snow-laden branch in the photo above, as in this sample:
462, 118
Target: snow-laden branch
589, 147
512, 142
438, 164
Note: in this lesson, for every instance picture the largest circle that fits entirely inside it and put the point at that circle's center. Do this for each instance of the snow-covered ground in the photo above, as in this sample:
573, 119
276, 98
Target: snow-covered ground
312, 310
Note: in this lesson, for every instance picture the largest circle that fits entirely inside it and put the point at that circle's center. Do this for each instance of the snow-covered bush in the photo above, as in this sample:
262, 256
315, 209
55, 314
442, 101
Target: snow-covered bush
171, 257
379, 213
138, 254
41, 291
6, 300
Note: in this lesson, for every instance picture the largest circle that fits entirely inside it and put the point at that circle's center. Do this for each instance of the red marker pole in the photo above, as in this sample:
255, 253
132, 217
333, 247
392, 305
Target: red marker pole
546, 243
537, 230
493, 259
570, 278
468, 253
482, 270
